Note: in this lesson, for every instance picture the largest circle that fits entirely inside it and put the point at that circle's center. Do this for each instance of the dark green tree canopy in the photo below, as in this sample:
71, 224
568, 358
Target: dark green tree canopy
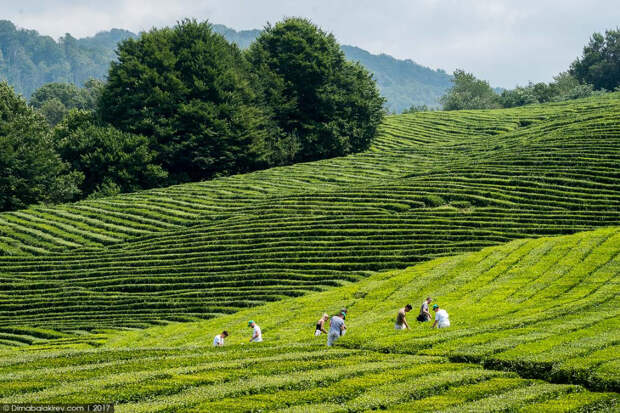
468, 92
106, 156
71, 96
600, 63
187, 89
319, 102
67, 93
30, 170
54, 100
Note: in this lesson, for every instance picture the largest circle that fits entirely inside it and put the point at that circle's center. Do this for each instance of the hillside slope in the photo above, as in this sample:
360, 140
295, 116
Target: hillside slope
433, 184
547, 308
521, 312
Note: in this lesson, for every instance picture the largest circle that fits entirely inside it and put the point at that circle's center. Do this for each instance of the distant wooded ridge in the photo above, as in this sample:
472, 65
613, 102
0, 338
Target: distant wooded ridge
29, 60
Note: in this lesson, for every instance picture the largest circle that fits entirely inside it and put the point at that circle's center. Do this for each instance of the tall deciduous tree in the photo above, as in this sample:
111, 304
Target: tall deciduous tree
30, 170
106, 156
54, 100
468, 92
321, 105
187, 89
600, 63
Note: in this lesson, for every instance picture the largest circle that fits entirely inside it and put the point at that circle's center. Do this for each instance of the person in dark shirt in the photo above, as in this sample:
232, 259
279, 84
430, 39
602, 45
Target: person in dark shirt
320, 325
425, 314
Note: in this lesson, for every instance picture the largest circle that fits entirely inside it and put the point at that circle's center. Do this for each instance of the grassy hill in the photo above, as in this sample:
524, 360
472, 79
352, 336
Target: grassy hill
546, 308
521, 312
432, 185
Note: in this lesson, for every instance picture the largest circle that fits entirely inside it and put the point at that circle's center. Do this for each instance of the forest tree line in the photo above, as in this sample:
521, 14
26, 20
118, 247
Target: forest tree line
29, 60
182, 104
597, 71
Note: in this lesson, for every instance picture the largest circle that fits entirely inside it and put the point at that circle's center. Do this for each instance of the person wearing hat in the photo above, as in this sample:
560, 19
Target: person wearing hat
218, 341
441, 317
425, 315
257, 336
336, 328
401, 321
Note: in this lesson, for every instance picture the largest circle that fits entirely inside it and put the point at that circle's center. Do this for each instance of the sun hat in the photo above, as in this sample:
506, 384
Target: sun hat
435, 306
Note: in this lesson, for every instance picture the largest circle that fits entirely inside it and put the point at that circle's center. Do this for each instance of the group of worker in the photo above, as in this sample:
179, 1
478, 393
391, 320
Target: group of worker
257, 335
442, 319
337, 327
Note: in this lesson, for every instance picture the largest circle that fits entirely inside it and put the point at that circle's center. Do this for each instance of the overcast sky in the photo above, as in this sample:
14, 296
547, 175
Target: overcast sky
506, 42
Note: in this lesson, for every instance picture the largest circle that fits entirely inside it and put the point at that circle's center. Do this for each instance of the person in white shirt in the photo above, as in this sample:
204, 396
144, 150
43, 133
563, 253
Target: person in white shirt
257, 335
441, 317
218, 341
337, 328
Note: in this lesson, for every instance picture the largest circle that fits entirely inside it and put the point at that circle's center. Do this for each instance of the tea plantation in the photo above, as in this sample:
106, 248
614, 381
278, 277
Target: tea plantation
434, 184
509, 219
534, 328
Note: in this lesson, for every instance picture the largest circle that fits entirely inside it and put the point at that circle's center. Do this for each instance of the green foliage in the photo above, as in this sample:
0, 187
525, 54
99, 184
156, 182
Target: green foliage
417, 108
564, 83
545, 308
468, 92
600, 63
54, 100
291, 378
432, 184
40, 60
210, 253
518, 302
597, 69
564, 87
187, 89
111, 161
30, 170
317, 101
66, 93
53, 110
519, 96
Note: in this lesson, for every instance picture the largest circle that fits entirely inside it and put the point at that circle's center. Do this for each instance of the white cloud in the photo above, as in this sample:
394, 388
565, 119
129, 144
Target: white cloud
505, 42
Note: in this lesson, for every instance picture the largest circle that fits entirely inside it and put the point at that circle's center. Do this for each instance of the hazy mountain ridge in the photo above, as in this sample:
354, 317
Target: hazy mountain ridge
402, 82
29, 60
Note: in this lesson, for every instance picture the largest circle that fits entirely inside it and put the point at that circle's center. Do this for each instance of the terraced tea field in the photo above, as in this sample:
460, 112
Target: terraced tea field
433, 185
534, 328
547, 308
283, 378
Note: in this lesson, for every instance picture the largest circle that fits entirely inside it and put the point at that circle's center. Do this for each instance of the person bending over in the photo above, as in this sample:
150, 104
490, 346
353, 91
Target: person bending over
441, 317
425, 314
218, 341
401, 320
257, 335
336, 328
